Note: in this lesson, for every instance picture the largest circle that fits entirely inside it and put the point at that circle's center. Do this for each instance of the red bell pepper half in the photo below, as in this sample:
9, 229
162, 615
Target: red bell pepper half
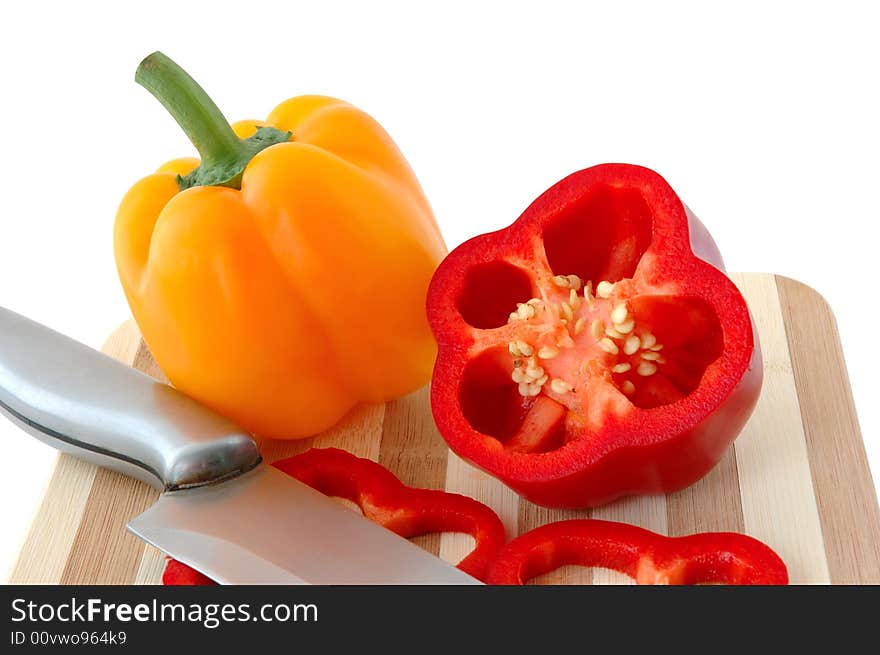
384, 499
594, 348
648, 557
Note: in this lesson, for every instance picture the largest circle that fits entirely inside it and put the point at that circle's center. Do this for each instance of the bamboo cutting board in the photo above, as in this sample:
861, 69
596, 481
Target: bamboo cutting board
796, 478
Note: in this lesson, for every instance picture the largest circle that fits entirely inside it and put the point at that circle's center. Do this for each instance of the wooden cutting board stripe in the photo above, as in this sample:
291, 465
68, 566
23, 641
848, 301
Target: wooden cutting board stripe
845, 493
776, 435
797, 477
44, 552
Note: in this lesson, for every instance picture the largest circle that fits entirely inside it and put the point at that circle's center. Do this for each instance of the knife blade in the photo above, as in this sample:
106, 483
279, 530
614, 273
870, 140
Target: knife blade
222, 510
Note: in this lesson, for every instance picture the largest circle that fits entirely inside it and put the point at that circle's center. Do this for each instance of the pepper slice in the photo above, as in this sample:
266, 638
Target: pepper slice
594, 348
647, 557
178, 573
384, 499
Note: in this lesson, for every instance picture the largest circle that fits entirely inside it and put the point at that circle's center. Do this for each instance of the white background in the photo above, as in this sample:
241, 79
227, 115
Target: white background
763, 116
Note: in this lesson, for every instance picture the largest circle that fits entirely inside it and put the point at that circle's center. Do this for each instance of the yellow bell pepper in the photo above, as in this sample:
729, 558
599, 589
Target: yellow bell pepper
281, 279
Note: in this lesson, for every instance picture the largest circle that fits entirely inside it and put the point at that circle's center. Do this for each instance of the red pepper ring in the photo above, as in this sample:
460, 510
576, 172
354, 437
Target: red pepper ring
407, 511
647, 557
594, 348
384, 499
178, 573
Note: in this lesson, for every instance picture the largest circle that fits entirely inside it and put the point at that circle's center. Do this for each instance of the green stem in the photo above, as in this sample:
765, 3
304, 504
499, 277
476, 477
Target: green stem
191, 107
224, 156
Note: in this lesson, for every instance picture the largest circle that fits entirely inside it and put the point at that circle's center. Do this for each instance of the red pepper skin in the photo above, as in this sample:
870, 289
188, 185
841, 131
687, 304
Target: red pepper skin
647, 557
384, 499
179, 574
617, 446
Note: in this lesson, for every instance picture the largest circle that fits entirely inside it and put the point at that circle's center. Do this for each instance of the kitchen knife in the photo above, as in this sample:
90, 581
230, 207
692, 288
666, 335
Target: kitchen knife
222, 510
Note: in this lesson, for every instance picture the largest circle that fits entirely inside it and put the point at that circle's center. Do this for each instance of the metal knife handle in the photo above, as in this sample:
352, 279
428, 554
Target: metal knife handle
85, 403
